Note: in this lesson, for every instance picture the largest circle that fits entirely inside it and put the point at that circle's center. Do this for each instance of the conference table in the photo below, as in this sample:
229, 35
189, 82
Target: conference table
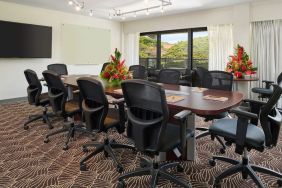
193, 99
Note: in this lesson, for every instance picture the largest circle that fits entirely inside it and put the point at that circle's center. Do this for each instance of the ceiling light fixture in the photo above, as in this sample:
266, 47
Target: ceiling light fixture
164, 3
70, 2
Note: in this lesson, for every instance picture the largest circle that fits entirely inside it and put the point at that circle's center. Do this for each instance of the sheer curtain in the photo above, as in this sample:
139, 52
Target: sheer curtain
266, 49
220, 45
131, 49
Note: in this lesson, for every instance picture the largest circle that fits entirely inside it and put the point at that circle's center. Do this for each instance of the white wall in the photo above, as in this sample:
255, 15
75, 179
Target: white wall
12, 81
239, 15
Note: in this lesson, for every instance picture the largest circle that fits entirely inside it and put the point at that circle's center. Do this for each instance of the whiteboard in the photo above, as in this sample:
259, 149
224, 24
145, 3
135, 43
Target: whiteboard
85, 45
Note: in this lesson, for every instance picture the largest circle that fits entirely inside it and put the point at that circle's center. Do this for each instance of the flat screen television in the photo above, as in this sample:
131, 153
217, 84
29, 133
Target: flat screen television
18, 40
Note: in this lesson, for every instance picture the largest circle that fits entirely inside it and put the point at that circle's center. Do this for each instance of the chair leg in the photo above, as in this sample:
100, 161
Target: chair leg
138, 172
70, 135
109, 150
121, 146
47, 120
221, 142
82, 130
97, 150
168, 165
34, 118
202, 129
154, 178
226, 173
255, 178
203, 135
174, 179
56, 132
225, 159
266, 171
92, 144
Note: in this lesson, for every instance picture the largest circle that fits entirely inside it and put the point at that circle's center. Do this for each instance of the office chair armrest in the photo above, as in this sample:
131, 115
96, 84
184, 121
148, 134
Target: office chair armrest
267, 83
182, 115
244, 114
251, 101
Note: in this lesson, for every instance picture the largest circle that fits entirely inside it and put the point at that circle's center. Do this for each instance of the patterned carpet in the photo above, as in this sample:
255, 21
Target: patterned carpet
25, 161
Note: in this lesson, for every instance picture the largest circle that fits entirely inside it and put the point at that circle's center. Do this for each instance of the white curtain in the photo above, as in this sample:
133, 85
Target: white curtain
131, 49
220, 45
266, 49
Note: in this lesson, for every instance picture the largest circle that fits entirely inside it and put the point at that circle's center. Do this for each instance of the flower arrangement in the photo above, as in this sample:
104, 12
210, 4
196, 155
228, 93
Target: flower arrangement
240, 64
116, 71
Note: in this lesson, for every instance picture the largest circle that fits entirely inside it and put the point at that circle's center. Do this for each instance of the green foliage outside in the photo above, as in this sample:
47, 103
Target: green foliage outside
175, 55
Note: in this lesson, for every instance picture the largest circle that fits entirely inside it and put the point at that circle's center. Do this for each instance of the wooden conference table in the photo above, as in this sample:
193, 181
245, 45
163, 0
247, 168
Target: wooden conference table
192, 100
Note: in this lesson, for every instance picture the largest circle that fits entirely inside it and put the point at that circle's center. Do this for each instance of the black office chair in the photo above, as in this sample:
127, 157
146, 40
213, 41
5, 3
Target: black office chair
219, 80
266, 92
139, 71
169, 76
100, 118
148, 127
60, 69
104, 66
198, 76
58, 95
35, 97
247, 135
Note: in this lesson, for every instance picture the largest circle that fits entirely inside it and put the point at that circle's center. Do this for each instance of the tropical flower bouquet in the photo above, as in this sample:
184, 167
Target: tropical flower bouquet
240, 64
116, 71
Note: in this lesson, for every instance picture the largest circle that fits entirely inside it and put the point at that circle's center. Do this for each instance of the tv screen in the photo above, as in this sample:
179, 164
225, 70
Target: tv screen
19, 40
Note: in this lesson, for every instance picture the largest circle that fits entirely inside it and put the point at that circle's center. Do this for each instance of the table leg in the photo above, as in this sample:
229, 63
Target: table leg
188, 146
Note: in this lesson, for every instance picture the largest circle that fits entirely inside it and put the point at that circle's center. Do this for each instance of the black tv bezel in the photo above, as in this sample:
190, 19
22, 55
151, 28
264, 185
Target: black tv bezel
31, 57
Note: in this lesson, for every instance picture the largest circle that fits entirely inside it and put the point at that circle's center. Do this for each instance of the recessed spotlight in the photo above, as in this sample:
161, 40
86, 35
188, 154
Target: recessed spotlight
77, 8
70, 2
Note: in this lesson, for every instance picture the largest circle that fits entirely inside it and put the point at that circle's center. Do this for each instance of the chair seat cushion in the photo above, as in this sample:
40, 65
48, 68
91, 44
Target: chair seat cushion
227, 128
263, 91
72, 106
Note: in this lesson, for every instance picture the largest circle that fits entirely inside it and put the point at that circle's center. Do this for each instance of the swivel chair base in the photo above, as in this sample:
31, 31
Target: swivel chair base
155, 170
45, 118
245, 168
106, 147
207, 133
71, 129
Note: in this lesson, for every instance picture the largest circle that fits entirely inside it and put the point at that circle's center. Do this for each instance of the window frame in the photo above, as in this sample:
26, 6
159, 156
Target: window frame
189, 31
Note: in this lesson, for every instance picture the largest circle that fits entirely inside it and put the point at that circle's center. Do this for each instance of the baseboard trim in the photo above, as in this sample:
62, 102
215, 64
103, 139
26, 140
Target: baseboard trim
13, 100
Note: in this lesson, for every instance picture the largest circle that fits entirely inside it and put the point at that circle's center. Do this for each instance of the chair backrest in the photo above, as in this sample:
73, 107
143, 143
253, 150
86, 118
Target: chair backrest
169, 76
198, 76
34, 88
57, 91
219, 80
139, 71
279, 79
270, 118
147, 113
104, 66
95, 104
60, 69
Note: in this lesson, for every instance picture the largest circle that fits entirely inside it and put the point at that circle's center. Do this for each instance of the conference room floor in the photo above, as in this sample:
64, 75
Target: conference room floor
25, 161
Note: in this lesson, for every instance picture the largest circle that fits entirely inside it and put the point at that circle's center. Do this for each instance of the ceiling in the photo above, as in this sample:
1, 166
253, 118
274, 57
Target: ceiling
102, 8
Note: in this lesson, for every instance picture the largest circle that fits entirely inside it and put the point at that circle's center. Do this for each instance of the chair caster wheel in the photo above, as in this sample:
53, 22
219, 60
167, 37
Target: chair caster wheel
26, 127
84, 149
222, 150
46, 140
279, 182
212, 162
66, 147
179, 168
114, 141
83, 167
121, 184
106, 154
119, 169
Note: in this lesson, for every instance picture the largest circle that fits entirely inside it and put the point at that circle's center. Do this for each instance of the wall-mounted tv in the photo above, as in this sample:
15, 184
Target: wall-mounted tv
18, 40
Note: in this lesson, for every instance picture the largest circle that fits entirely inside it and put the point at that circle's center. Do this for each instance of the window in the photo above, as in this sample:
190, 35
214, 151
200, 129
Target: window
148, 51
177, 49
200, 49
